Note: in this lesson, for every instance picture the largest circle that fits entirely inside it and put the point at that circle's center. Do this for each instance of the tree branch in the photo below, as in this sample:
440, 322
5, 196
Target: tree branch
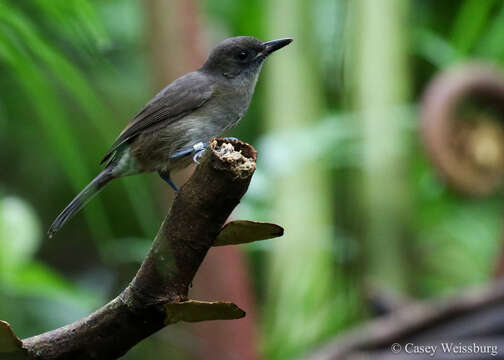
157, 296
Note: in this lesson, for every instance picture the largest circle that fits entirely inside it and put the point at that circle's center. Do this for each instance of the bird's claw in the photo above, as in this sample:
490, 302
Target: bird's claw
231, 138
198, 156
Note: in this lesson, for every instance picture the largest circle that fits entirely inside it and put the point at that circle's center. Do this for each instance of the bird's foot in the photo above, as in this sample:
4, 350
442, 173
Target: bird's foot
166, 177
199, 153
197, 149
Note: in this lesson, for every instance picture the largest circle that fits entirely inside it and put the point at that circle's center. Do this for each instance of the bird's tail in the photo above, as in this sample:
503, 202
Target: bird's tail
81, 200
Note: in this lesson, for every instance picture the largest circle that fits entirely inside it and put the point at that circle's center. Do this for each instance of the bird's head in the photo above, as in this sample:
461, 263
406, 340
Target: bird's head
241, 55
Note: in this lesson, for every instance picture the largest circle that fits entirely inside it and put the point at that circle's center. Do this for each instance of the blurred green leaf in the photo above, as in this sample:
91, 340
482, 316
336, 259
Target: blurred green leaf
49, 111
19, 233
38, 280
128, 249
433, 48
56, 121
77, 18
490, 44
470, 21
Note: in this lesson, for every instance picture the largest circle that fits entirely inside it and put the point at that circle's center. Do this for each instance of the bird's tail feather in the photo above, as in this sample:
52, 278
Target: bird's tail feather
81, 200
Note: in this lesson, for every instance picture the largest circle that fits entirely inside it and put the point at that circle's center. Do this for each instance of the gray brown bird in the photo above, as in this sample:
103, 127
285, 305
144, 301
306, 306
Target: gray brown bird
175, 126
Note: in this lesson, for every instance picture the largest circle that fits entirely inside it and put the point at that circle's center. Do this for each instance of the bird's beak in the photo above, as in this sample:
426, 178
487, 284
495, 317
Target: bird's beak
274, 45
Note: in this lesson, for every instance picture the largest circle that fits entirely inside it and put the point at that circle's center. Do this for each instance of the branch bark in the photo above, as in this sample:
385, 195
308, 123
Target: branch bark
157, 296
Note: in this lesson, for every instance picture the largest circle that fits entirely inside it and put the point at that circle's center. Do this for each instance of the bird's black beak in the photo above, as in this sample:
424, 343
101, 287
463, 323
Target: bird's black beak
274, 45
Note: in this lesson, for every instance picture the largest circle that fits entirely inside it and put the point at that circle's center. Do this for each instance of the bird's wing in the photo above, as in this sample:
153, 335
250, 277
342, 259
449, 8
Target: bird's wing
179, 98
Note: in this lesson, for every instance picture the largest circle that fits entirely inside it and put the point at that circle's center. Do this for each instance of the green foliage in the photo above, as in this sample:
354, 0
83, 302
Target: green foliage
42, 72
72, 72
52, 116
21, 276
77, 20
17, 221
469, 23
21, 48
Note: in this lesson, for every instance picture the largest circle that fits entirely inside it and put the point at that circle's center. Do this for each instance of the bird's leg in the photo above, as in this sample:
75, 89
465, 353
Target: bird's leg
166, 177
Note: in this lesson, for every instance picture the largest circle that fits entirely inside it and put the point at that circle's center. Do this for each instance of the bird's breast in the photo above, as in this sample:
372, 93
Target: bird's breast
230, 105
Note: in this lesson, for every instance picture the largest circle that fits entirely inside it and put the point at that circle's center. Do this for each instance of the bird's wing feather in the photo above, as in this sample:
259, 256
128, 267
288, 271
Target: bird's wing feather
179, 98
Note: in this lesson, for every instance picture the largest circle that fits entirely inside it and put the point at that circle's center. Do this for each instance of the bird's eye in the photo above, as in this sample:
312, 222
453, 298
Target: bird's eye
242, 55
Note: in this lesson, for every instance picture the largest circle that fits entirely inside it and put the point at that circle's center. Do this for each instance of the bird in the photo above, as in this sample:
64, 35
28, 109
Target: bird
173, 129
